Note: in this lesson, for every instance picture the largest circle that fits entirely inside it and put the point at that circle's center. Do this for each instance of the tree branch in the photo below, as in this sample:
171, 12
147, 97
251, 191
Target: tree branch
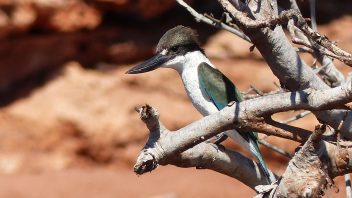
211, 21
316, 163
296, 117
203, 155
245, 116
286, 64
275, 148
320, 159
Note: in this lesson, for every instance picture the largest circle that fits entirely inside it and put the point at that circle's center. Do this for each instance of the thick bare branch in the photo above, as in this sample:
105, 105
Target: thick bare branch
307, 99
250, 115
286, 64
204, 155
245, 115
312, 11
320, 159
317, 162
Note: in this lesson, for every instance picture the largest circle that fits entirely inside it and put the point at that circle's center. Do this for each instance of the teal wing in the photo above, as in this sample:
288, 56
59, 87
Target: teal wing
219, 89
217, 86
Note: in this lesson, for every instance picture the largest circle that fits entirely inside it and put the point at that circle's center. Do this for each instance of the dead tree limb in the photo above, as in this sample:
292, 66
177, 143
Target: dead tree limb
320, 159
314, 165
211, 21
204, 155
282, 58
246, 115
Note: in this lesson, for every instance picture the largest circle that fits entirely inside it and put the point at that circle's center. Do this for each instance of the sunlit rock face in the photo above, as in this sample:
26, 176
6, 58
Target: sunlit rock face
72, 15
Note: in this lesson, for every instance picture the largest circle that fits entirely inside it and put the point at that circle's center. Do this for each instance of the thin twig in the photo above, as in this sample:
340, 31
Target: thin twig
296, 117
294, 4
275, 148
319, 48
247, 91
317, 70
321, 43
258, 93
257, 90
329, 73
324, 42
210, 21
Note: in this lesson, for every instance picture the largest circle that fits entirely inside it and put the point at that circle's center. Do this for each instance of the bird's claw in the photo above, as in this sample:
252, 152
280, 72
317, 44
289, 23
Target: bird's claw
231, 103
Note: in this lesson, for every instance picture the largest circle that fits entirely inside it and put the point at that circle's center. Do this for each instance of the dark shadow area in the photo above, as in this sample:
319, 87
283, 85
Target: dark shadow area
121, 38
327, 10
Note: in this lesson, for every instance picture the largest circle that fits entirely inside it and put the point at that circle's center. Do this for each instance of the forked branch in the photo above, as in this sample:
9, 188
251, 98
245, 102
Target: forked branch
323, 160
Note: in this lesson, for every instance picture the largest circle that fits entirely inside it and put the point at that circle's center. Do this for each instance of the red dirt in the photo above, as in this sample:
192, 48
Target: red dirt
165, 182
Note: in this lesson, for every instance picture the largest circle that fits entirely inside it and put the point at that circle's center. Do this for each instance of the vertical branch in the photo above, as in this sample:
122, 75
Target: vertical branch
331, 75
313, 14
348, 186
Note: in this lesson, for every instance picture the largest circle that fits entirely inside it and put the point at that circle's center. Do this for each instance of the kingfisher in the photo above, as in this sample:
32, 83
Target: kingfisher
208, 88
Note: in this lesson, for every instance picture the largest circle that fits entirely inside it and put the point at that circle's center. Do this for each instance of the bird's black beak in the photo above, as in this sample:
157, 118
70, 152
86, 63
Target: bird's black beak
150, 64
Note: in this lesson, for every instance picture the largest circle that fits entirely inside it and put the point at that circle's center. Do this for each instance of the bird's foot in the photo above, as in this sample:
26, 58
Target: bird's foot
220, 138
231, 103
217, 140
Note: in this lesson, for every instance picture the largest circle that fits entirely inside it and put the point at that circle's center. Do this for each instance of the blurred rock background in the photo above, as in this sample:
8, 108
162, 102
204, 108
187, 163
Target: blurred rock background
67, 119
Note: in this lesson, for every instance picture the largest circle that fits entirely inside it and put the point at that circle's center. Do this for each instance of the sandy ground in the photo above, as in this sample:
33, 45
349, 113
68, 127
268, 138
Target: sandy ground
166, 182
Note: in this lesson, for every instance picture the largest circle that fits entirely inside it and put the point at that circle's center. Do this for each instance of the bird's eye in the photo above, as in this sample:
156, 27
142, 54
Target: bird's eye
174, 49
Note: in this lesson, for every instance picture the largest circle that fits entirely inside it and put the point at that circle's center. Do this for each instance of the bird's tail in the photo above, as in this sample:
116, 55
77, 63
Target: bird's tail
249, 142
254, 149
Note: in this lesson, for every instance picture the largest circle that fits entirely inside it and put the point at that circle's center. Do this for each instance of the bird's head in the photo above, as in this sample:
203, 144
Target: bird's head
171, 50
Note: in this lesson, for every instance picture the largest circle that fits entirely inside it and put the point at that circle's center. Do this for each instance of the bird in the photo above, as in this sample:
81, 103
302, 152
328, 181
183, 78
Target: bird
207, 87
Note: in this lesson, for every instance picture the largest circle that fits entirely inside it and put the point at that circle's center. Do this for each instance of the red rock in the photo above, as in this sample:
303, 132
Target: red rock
144, 8
86, 116
69, 16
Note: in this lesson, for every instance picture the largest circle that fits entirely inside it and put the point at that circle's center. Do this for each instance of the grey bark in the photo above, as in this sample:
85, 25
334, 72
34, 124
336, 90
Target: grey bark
320, 159
307, 174
288, 67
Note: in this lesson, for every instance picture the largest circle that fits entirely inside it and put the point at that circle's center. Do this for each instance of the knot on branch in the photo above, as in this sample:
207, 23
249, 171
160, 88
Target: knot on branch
305, 175
318, 134
338, 159
341, 160
146, 162
150, 116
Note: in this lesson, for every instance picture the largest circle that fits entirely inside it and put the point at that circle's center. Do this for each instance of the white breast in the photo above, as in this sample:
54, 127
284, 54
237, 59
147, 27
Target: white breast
189, 75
